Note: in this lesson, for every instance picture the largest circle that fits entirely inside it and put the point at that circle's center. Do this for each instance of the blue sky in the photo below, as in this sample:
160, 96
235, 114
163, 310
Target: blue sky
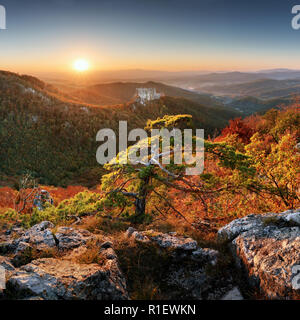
157, 34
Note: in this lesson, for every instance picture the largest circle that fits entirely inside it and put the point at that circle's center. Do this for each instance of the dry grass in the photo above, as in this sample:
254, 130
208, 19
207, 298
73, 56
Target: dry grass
99, 225
90, 255
205, 236
30, 254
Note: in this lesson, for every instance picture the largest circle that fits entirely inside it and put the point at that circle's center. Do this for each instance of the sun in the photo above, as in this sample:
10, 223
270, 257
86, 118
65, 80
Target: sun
81, 65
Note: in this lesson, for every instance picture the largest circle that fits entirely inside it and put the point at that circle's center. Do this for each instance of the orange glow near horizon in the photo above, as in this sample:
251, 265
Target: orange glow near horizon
80, 62
89, 59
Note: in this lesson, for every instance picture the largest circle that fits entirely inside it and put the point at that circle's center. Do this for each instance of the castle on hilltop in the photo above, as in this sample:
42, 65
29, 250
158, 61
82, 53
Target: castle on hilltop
147, 94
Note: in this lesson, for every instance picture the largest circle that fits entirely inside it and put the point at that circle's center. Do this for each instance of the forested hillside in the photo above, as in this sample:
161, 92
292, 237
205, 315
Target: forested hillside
55, 139
249, 105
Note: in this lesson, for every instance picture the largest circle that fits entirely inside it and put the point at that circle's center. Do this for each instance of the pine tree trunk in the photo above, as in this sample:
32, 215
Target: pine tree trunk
140, 207
140, 202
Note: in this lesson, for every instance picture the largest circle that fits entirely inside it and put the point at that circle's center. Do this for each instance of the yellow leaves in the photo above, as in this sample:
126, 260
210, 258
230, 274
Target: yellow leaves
277, 164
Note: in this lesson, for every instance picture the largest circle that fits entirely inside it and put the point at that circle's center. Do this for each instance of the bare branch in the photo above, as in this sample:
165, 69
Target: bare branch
164, 169
192, 188
129, 194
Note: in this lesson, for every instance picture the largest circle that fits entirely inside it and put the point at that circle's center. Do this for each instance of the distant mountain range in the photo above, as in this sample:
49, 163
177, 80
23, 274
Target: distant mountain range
106, 87
204, 82
123, 92
246, 92
262, 88
157, 75
108, 76
249, 105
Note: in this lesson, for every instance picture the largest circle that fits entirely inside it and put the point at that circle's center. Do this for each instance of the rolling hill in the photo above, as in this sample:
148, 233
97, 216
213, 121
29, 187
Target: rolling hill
217, 81
55, 139
122, 92
263, 88
249, 105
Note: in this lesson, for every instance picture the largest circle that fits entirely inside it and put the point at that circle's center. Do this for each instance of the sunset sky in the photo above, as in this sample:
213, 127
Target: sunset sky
158, 34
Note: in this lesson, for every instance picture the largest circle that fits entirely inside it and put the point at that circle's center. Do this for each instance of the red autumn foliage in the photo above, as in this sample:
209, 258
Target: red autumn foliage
8, 195
240, 128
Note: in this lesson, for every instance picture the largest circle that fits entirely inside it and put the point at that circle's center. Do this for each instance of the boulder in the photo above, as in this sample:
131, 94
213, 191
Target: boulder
177, 243
291, 216
62, 279
191, 272
40, 236
238, 226
268, 246
72, 276
255, 223
69, 238
192, 280
22, 247
163, 240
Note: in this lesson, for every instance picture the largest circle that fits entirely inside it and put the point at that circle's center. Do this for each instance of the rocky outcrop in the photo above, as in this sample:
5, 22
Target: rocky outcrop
69, 238
163, 240
192, 271
181, 246
64, 277
268, 246
40, 236
55, 279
